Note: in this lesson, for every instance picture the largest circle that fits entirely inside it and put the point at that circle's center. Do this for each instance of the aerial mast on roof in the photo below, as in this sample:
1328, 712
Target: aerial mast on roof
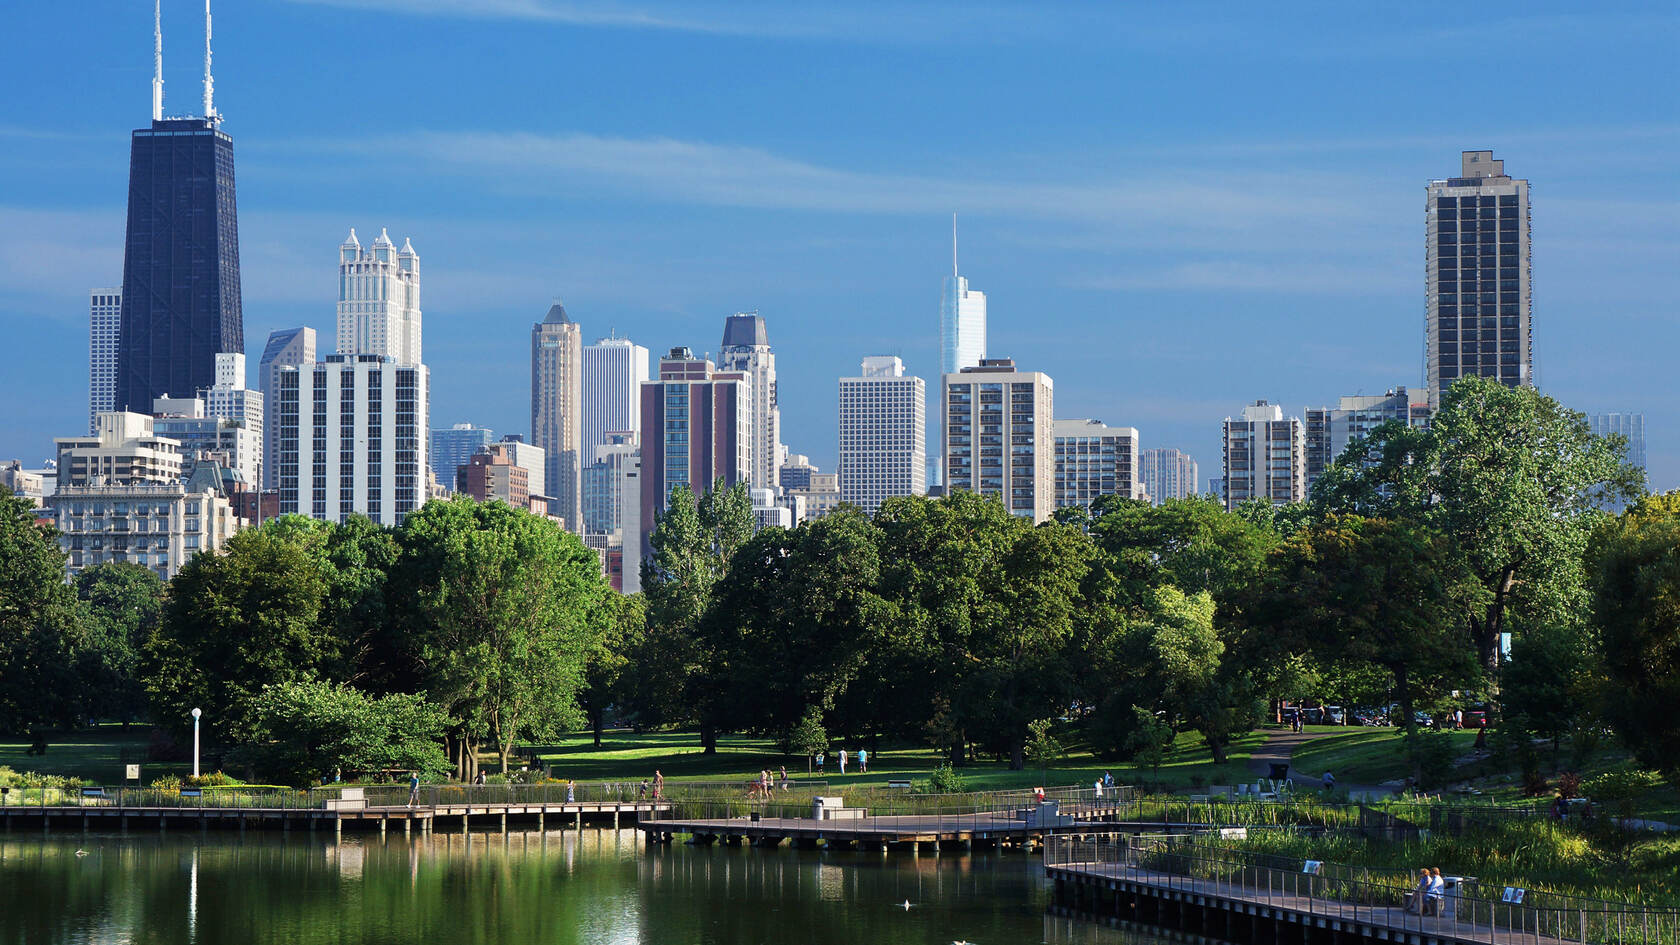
157, 60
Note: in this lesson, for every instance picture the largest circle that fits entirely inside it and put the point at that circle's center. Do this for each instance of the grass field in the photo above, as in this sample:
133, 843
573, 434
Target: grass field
1364, 755
94, 754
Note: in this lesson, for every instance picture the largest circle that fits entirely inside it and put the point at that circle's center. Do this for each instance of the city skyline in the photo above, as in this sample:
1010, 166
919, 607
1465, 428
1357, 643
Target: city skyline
839, 277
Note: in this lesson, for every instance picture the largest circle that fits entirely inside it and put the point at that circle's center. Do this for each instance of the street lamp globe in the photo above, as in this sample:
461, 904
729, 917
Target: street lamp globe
196, 713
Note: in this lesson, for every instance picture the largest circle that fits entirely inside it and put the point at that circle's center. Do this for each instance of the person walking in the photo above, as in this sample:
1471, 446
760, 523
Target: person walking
842, 761
783, 772
820, 759
1329, 781
1098, 785
658, 785
413, 788
863, 760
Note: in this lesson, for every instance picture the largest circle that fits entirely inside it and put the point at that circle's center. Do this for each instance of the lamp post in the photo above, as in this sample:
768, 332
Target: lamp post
195, 714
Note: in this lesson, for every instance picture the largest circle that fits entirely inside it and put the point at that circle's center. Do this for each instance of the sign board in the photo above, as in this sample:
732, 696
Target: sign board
93, 792
191, 792
133, 772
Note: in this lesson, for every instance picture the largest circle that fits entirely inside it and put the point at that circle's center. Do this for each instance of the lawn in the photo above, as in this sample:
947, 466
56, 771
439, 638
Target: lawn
628, 756
1363, 755
94, 754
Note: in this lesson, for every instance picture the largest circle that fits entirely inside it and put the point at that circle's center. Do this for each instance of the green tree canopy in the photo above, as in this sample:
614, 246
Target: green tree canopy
301, 733
121, 605
502, 610
38, 622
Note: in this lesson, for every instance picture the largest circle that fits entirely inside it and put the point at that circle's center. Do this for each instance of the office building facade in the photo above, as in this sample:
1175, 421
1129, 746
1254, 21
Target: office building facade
1094, 459
294, 346
454, 447
695, 421
614, 370
557, 409
379, 299
883, 434
1329, 430
1264, 457
353, 438
746, 351
104, 334
1168, 474
1477, 267
180, 295
999, 436
1630, 425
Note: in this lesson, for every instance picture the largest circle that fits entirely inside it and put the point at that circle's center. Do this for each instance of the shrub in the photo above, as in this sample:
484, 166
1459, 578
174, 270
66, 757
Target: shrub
1432, 754
1569, 785
213, 779
944, 780
168, 782
1535, 784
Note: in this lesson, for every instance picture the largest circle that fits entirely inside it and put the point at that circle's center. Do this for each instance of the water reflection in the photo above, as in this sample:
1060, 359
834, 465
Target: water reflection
597, 886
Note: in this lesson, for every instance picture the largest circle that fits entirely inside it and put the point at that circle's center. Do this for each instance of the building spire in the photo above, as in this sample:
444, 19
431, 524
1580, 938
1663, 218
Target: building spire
953, 244
209, 83
157, 60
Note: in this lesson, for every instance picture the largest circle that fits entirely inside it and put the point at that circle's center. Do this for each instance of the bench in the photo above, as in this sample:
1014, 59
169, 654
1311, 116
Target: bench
899, 784
93, 792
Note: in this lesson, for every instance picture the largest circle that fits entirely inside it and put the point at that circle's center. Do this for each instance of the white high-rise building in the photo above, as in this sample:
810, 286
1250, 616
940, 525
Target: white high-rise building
1264, 457
746, 351
557, 410
962, 319
883, 434
379, 299
1168, 474
295, 346
223, 423
532, 458
1630, 425
352, 438
104, 331
614, 370
1094, 459
999, 437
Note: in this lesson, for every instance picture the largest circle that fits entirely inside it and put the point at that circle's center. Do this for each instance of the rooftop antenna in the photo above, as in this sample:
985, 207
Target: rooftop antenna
209, 83
953, 244
157, 60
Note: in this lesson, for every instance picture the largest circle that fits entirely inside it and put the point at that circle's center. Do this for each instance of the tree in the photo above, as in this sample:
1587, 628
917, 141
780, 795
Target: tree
1549, 683
302, 733
1510, 478
38, 621
503, 610
234, 623
1374, 592
609, 662
809, 737
121, 605
1636, 601
693, 542
1043, 747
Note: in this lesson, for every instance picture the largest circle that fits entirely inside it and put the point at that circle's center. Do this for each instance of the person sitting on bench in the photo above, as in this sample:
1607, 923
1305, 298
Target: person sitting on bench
1415, 898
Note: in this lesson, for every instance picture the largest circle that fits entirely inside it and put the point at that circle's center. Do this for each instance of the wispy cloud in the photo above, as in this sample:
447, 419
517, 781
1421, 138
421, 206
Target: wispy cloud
868, 22
47, 256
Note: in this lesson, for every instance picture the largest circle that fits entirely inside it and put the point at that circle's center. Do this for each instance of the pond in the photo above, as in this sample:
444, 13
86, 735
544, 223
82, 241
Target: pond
597, 886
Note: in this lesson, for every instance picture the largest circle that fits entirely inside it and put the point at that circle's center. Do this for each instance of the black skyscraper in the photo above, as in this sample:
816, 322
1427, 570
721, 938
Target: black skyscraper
181, 263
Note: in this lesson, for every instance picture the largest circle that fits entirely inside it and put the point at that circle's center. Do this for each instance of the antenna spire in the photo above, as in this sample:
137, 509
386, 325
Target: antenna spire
157, 60
209, 83
953, 244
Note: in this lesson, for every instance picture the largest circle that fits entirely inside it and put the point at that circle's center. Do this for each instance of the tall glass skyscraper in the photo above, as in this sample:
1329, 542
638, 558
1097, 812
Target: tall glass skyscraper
180, 294
1479, 308
962, 320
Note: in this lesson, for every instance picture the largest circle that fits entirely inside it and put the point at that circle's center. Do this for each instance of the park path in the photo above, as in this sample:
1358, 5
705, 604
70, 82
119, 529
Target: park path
1280, 748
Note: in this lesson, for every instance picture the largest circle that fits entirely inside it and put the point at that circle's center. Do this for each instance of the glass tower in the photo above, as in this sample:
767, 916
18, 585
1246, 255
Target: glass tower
180, 293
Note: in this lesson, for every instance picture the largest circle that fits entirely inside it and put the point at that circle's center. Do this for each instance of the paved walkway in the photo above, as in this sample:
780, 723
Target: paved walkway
1280, 748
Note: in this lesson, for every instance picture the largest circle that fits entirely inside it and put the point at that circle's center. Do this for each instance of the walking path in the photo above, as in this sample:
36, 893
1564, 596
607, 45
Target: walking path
1280, 749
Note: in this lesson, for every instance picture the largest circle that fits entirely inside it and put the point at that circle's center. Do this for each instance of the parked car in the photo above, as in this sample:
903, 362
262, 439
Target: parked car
1314, 715
1334, 715
1478, 715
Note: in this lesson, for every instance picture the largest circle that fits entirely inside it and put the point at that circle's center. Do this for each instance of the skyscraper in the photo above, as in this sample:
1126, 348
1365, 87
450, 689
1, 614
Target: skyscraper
999, 438
1477, 272
746, 351
180, 295
1630, 425
1094, 459
962, 319
452, 448
1264, 457
614, 370
696, 420
379, 299
1167, 474
294, 346
104, 330
883, 434
556, 409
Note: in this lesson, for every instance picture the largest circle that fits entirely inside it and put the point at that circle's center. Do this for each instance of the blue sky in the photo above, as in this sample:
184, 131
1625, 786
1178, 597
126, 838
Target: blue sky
1174, 209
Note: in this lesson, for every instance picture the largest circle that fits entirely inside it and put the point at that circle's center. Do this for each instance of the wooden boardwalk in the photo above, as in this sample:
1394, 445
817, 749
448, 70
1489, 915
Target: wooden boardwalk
1240, 912
872, 830
419, 818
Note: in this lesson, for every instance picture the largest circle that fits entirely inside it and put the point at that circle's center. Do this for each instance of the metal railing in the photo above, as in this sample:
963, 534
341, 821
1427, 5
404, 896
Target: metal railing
1468, 911
283, 798
890, 809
